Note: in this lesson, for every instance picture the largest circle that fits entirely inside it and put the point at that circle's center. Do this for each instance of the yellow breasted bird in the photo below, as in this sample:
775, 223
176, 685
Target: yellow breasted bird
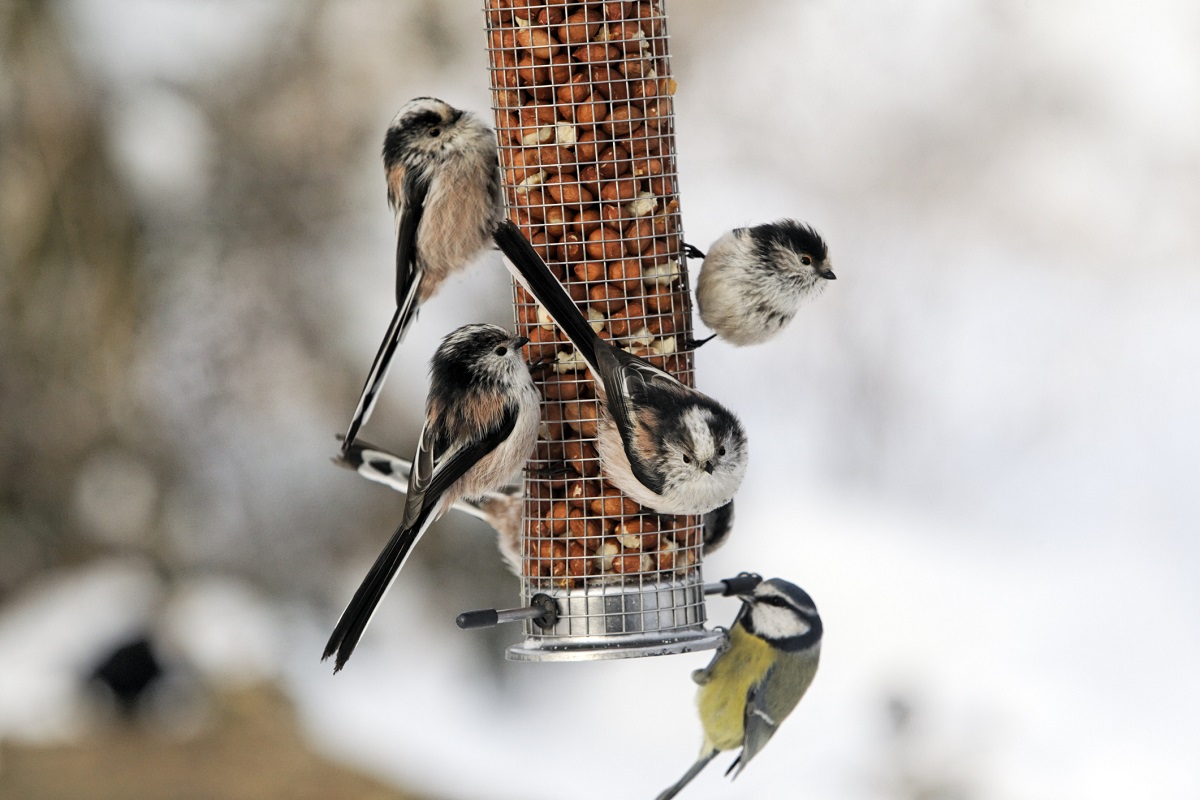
758, 676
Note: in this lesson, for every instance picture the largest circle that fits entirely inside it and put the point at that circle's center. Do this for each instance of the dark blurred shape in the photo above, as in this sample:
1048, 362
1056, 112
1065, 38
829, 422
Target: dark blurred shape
128, 673
899, 712
917, 765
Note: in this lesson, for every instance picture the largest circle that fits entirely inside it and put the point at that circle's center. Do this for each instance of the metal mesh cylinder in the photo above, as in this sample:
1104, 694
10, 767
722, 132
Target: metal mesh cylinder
582, 99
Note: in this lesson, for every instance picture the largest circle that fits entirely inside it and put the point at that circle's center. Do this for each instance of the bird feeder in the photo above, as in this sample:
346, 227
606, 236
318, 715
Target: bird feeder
582, 95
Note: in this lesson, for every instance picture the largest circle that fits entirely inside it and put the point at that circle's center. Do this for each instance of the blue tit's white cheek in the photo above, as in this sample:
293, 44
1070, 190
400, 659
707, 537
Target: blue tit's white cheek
774, 622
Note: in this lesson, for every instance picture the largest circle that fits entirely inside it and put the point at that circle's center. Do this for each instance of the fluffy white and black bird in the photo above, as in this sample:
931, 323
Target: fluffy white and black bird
758, 676
443, 184
753, 280
501, 507
669, 447
481, 419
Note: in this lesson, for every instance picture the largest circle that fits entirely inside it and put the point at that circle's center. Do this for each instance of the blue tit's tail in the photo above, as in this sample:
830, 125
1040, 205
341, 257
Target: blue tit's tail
692, 772
406, 312
358, 613
541, 283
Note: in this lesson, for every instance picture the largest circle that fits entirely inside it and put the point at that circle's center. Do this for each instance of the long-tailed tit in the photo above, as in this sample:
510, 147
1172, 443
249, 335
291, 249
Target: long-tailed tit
501, 508
754, 279
481, 420
443, 184
669, 447
758, 676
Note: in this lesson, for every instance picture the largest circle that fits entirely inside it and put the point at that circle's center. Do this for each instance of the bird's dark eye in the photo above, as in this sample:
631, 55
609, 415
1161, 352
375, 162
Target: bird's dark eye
721, 452
501, 350
687, 460
806, 260
435, 131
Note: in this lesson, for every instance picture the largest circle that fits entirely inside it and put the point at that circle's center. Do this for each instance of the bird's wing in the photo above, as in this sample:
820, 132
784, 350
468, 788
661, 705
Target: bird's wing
435, 471
759, 724
627, 380
408, 288
412, 207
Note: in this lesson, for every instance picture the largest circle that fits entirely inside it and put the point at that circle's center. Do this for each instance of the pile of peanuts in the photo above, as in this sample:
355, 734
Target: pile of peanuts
582, 99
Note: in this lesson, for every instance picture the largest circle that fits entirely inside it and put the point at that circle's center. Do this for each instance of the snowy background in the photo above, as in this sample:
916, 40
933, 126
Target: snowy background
976, 450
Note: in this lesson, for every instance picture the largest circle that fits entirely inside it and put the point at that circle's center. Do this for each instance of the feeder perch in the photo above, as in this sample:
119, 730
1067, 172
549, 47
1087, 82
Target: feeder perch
582, 95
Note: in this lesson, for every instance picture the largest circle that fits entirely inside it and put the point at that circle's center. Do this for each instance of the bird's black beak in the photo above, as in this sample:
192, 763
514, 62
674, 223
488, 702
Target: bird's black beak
827, 274
520, 342
708, 467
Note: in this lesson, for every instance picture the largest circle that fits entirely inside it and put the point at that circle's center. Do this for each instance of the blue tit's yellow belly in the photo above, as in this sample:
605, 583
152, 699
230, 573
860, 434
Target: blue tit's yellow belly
722, 700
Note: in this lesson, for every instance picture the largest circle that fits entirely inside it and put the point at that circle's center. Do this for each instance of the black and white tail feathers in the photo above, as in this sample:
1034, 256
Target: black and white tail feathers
405, 314
533, 273
358, 613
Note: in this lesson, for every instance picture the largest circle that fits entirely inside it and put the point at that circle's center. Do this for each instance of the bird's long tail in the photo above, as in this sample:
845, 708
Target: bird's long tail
358, 613
406, 312
535, 276
692, 772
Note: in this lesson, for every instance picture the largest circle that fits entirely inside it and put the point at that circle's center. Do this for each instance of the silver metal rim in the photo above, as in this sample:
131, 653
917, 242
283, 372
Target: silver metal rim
606, 648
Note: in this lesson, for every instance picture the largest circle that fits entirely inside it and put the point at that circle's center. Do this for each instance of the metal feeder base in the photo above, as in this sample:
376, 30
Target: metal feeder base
608, 622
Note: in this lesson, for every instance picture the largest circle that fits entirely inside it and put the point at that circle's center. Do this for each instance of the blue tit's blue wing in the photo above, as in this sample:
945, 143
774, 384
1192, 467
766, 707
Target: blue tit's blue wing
760, 724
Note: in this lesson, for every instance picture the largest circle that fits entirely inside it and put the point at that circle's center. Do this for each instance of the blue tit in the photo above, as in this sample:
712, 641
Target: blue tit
758, 676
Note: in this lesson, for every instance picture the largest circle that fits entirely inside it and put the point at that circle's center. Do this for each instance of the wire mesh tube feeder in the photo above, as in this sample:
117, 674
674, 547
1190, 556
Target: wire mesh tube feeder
582, 98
